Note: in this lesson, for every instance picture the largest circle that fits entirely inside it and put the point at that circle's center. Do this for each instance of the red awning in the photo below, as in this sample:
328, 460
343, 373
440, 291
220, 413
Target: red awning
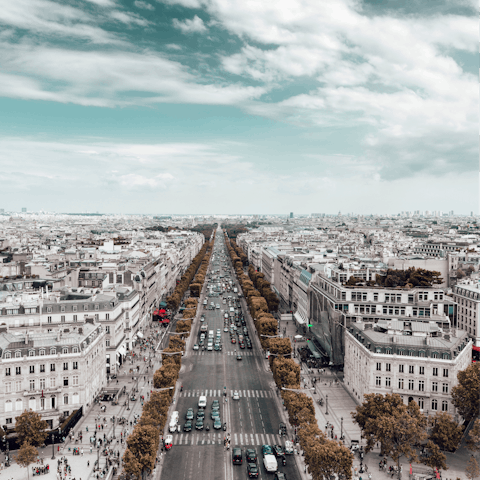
476, 348
162, 311
165, 320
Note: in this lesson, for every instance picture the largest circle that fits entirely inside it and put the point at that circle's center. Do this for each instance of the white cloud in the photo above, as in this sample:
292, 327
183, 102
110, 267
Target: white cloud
103, 3
133, 180
107, 78
144, 5
128, 18
194, 25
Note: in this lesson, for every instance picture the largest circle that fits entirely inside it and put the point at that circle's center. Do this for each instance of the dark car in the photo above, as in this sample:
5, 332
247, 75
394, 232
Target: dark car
239, 357
189, 415
252, 470
280, 476
242, 345
199, 424
249, 345
201, 414
278, 451
251, 455
237, 456
188, 426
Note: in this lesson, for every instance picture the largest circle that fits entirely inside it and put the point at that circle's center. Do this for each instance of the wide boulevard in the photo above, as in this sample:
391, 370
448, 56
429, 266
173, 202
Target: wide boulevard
252, 420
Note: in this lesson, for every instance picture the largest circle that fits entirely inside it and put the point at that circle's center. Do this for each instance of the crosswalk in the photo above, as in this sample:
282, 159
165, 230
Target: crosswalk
222, 352
219, 393
216, 438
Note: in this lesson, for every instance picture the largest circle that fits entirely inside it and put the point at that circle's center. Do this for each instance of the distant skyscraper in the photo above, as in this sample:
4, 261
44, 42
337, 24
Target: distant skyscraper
291, 214
24, 210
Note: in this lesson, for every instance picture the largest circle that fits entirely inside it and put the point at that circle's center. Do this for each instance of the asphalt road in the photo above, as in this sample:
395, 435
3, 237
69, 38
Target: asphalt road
252, 421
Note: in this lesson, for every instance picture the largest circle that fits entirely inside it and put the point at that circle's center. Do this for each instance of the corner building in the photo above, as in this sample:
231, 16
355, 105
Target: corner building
416, 360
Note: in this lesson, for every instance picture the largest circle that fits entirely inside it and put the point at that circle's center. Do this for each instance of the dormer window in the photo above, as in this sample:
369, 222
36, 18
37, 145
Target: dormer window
42, 352
74, 308
31, 353
62, 309
85, 307
53, 351
96, 307
74, 350
18, 354
49, 309
8, 355
65, 351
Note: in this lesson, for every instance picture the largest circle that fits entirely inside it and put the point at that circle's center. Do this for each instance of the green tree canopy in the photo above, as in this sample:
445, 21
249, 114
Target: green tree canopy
446, 433
466, 395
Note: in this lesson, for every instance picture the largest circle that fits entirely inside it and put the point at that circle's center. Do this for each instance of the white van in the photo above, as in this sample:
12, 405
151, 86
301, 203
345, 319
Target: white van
173, 422
202, 401
210, 334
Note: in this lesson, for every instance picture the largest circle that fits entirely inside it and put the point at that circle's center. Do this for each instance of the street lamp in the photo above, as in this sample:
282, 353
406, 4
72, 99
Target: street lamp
341, 428
326, 404
98, 454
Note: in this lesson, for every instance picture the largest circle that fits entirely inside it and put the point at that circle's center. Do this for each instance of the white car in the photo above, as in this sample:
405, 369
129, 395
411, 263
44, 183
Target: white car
195, 347
218, 305
236, 396
168, 442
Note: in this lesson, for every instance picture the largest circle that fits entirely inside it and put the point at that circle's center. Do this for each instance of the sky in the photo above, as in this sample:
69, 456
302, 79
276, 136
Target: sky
227, 106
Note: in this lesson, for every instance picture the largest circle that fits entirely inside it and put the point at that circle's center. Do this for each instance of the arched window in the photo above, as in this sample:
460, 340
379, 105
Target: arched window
65, 399
65, 350
444, 406
74, 350
31, 353
434, 404
53, 351
8, 406
18, 354
42, 352
8, 355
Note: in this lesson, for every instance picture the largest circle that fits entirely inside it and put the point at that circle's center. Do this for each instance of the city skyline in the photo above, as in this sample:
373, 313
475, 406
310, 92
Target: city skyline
189, 106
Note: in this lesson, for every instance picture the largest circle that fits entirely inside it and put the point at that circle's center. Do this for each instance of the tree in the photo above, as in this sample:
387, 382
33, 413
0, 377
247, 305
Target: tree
465, 395
435, 459
473, 440
31, 428
131, 464
446, 433
327, 458
143, 444
472, 471
398, 427
27, 454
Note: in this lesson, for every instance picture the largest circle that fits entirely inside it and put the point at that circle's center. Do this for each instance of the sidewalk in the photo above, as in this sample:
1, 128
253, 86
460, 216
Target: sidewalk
340, 406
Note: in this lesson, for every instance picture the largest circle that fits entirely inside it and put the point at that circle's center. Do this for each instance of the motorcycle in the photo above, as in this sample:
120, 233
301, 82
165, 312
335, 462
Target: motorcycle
284, 461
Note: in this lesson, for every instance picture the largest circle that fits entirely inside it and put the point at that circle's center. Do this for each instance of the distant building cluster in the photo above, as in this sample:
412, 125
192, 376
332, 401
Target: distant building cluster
73, 303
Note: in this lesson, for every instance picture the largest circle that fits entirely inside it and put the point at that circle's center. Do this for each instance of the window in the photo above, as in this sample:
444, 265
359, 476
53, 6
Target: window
65, 365
378, 381
8, 372
435, 372
421, 385
421, 403
18, 370
400, 383
75, 365
444, 406
434, 404
445, 388
18, 386
411, 384
42, 368
32, 384
53, 351
75, 380
434, 386
388, 367
9, 420
31, 353
107, 329
411, 369
107, 316
52, 367
400, 368
8, 387
65, 350
8, 355
379, 367
65, 399
42, 384
49, 319
421, 370
74, 350
65, 381
75, 318
445, 372
42, 404
388, 381
62, 318
18, 354
42, 352
107, 343
32, 368
74, 308
96, 307
52, 382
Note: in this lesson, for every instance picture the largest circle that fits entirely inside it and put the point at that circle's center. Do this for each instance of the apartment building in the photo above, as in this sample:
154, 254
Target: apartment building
418, 361
467, 296
332, 303
52, 373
